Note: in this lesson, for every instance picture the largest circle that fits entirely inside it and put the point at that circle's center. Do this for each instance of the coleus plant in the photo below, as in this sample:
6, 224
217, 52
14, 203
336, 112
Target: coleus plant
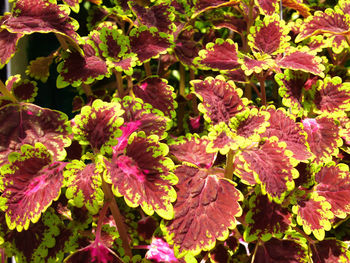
200, 131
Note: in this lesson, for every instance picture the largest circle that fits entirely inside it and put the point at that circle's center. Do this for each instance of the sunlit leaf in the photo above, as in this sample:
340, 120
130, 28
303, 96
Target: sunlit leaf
143, 175
205, 210
148, 43
334, 185
268, 7
221, 100
314, 214
221, 55
301, 60
328, 21
29, 183
192, 149
91, 67
270, 165
284, 127
98, 125
83, 184
8, 43
323, 137
269, 36
332, 95
159, 16
29, 16
159, 94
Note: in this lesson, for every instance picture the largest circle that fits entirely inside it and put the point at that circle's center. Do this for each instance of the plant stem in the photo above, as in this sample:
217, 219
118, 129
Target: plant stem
249, 21
129, 83
304, 235
109, 198
311, 242
119, 78
194, 99
87, 89
7, 93
147, 67
255, 89
66, 42
205, 258
192, 74
229, 165
262, 90
248, 92
182, 80
3, 256
100, 220
254, 253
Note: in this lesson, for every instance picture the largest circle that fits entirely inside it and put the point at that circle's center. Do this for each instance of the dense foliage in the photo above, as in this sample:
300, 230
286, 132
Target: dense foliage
199, 131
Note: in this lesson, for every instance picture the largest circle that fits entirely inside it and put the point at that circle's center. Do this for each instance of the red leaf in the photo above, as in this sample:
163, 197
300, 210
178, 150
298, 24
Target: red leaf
302, 60
323, 137
192, 149
332, 95
8, 42
324, 22
49, 127
205, 210
221, 100
83, 184
268, 7
281, 251
221, 55
334, 186
265, 219
269, 36
270, 165
159, 94
330, 250
143, 175
158, 15
91, 67
30, 182
292, 84
98, 125
314, 214
287, 130
29, 16
147, 43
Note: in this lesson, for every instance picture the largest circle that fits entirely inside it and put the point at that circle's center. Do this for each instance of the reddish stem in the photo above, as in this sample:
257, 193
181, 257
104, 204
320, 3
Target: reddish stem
255, 89
100, 220
262, 89
87, 90
147, 67
182, 80
109, 198
311, 241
